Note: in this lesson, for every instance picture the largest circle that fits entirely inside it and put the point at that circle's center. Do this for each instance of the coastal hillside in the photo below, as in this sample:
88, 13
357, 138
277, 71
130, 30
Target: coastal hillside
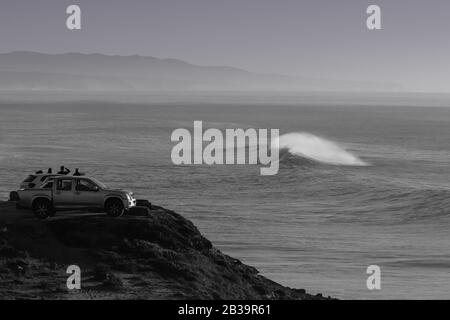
25, 71
151, 253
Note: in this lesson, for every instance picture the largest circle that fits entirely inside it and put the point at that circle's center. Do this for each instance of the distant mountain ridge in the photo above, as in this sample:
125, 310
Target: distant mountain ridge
22, 70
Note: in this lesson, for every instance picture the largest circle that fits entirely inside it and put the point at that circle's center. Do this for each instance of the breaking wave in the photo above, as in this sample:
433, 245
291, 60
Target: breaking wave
309, 146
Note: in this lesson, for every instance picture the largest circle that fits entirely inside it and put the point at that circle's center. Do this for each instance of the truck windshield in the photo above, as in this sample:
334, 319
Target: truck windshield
100, 184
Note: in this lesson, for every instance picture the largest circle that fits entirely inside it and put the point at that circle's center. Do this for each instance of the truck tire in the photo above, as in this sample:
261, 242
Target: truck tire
114, 208
42, 208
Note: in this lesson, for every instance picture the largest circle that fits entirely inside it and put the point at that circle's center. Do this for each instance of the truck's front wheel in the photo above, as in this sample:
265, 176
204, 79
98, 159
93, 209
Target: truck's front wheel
42, 208
114, 208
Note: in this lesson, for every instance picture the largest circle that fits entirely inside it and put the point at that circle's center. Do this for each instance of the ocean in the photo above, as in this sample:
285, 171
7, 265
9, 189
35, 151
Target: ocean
318, 224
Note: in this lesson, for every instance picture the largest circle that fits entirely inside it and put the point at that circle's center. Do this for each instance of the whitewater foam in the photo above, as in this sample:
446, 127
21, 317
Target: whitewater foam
318, 149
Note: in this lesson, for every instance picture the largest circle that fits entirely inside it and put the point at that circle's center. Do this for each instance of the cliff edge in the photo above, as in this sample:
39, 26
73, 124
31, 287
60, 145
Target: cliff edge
150, 253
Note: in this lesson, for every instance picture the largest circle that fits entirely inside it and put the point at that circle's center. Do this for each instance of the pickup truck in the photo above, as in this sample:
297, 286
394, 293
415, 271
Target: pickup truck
73, 193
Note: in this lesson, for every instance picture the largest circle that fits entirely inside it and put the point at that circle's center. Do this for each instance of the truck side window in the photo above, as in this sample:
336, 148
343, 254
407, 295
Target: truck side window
64, 185
85, 185
48, 185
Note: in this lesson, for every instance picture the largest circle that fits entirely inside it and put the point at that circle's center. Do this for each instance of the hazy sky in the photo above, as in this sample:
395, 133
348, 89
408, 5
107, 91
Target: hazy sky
312, 38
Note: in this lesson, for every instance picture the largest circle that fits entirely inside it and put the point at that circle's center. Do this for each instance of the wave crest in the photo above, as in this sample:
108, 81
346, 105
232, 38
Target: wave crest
318, 149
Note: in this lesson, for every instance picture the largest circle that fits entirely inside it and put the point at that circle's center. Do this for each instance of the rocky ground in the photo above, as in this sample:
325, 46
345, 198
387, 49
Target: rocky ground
151, 253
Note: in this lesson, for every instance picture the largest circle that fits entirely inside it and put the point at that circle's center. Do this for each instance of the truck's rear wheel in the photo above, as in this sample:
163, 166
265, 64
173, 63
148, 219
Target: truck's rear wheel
42, 208
114, 208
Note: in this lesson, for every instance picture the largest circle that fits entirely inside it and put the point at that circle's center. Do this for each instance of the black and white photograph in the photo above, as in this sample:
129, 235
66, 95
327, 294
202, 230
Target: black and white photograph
247, 151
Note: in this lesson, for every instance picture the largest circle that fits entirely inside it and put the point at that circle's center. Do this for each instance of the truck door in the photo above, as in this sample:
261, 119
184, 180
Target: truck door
63, 195
87, 193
